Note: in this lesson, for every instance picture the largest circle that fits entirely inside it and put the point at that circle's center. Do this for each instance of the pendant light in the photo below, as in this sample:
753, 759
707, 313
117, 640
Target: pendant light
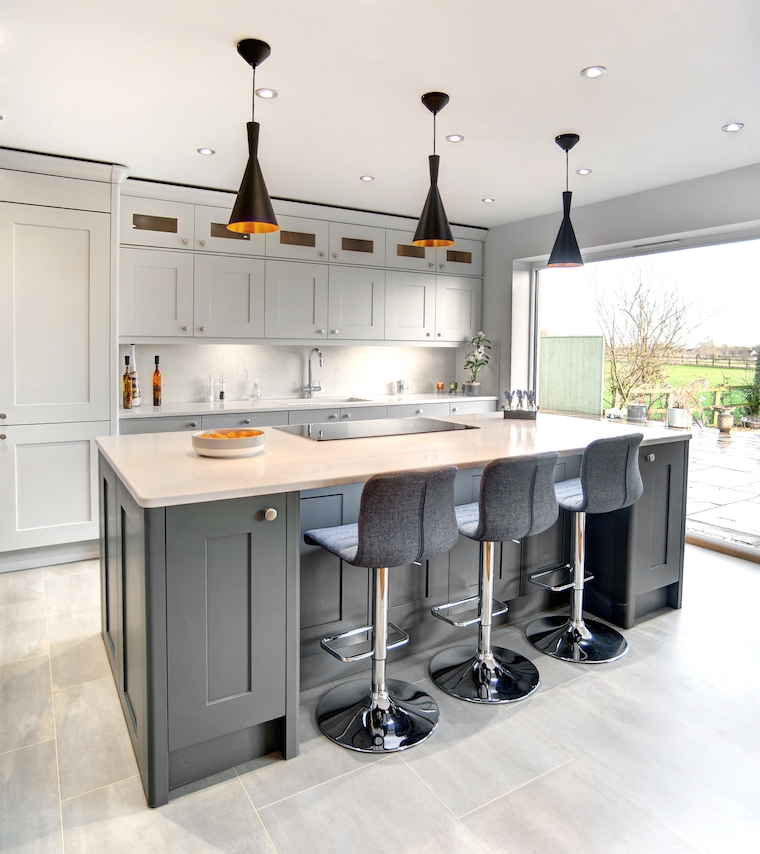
566, 252
253, 213
433, 228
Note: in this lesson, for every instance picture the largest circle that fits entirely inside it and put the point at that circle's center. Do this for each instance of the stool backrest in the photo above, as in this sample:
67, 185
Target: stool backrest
610, 476
517, 497
406, 516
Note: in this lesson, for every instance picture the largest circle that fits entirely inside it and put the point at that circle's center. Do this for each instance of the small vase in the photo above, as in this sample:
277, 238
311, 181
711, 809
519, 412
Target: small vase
471, 389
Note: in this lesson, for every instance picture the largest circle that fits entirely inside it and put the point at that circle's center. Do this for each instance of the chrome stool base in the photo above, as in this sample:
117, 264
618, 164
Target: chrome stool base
597, 643
460, 672
348, 716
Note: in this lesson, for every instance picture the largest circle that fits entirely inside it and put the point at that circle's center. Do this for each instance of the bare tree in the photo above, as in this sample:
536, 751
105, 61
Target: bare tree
644, 320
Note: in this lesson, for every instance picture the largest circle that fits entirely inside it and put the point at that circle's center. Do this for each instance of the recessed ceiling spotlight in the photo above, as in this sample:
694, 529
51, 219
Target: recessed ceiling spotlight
367, 178
582, 171
455, 137
594, 71
488, 201
266, 93
732, 127
206, 151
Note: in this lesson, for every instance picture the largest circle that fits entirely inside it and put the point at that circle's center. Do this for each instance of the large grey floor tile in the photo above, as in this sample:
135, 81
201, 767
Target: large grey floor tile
70, 596
93, 744
116, 820
26, 703
478, 753
61, 570
30, 820
271, 778
568, 811
652, 759
724, 476
24, 585
376, 809
23, 631
77, 653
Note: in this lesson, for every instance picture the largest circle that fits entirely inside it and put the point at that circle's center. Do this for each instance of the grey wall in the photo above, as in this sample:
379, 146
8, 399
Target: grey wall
697, 211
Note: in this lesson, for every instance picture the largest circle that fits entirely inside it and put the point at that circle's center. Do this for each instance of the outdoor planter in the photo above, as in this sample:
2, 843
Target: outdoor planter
679, 417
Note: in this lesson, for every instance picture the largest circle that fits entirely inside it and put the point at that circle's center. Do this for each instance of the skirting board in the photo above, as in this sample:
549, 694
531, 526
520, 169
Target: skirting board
48, 555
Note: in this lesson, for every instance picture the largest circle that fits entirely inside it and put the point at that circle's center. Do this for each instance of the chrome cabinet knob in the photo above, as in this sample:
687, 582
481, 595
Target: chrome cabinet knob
3, 436
334, 332
333, 416
270, 514
321, 254
455, 409
650, 458
3, 415
185, 241
202, 328
419, 412
246, 421
184, 328
320, 331
192, 424
346, 414
335, 254
203, 242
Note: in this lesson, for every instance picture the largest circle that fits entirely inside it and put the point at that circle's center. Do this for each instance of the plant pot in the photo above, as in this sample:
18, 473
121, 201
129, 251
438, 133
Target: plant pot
725, 421
471, 389
636, 412
679, 417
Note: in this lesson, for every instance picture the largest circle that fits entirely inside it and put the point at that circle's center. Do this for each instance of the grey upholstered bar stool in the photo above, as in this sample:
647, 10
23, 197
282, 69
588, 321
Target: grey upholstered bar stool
610, 480
404, 517
516, 500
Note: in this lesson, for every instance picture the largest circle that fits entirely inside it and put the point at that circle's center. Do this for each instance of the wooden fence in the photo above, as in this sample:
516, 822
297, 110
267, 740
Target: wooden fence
656, 400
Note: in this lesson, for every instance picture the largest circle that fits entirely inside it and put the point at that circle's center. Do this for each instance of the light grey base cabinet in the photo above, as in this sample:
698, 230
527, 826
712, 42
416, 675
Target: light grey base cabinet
199, 609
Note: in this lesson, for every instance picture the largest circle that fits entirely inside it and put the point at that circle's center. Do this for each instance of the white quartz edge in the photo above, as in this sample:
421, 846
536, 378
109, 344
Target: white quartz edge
162, 470
231, 407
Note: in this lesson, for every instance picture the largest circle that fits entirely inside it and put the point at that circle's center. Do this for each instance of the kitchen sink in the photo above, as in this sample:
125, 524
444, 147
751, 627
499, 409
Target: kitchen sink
327, 401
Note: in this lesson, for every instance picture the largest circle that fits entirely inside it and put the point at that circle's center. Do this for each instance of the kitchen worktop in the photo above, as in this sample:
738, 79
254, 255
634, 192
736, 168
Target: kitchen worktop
161, 469
145, 410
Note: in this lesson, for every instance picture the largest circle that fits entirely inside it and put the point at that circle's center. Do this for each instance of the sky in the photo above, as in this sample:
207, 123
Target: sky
720, 284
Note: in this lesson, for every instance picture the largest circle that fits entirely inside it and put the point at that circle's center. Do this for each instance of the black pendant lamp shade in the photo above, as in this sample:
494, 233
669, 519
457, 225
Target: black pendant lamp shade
565, 252
433, 228
252, 212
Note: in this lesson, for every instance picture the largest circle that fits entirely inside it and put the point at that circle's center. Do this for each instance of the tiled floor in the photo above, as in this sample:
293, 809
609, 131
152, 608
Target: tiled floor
724, 486
656, 753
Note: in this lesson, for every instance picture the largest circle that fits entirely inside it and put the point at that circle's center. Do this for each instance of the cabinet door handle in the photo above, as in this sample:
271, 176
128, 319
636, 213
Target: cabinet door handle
334, 332
335, 254
650, 458
442, 266
419, 412
203, 242
202, 328
320, 331
184, 328
3, 415
455, 409
3, 436
346, 414
431, 264
246, 421
270, 514
321, 254
333, 415
440, 334
427, 334
185, 241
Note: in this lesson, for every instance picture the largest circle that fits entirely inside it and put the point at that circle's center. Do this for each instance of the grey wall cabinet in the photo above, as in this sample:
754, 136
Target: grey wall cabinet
357, 244
465, 258
156, 222
198, 603
409, 306
212, 234
228, 297
296, 300
299, 238
457, 308
356, 306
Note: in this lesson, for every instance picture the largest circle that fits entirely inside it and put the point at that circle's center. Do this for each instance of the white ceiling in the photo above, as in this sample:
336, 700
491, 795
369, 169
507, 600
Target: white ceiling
147, 82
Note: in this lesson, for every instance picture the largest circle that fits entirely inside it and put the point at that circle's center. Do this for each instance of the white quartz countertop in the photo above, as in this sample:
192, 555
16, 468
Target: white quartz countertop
161, 469
145, 410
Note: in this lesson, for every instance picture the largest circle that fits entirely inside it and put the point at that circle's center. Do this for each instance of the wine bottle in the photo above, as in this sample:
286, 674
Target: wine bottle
126, 385
136, 393
157, 385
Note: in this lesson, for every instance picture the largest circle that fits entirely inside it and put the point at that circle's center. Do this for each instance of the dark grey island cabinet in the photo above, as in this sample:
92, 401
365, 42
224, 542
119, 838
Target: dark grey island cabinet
200, 606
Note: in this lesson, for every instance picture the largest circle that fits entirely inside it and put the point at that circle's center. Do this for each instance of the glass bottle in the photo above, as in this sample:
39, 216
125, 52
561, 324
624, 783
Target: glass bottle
222, 387
255, 391
157, 385
136, 393
126, 385
209, 389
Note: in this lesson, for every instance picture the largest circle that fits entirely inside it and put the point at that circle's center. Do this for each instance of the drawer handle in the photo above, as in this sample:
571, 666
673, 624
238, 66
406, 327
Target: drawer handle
320, 331
346, 414
192, 424
650, 458
419, 411
333, 415
270, 514
455, 409
184, 328
246, 421
3, 436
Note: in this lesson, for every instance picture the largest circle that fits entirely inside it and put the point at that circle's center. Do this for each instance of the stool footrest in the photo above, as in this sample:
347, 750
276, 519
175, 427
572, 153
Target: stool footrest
565, 585
362, 630
463, 621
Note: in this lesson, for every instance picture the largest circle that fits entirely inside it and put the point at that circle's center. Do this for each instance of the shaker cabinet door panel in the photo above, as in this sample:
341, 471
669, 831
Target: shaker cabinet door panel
155, 222
457, 308
299, 238
225, 583
296, 300
212, 234
409, 306
156, 293
229, 297
356, 303
54, 338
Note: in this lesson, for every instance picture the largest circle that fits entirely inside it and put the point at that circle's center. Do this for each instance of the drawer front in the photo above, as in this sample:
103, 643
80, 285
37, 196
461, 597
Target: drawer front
364, 413
361, 245
159, 425
212, 234
244, 419
308, 415
302, 239
154, 222
418, 410
467, 406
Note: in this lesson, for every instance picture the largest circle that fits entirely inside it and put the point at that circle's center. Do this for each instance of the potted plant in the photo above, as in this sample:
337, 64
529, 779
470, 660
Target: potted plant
476, 360
682, 400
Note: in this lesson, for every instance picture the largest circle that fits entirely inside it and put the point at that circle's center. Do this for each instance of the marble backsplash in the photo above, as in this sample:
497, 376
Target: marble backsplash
282, 369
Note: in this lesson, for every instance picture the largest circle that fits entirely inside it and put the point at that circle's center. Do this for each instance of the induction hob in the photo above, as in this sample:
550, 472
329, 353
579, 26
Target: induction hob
369, 429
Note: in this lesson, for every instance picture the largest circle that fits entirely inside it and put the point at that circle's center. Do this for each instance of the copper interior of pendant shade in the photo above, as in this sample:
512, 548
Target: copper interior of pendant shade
433, 242
253, 227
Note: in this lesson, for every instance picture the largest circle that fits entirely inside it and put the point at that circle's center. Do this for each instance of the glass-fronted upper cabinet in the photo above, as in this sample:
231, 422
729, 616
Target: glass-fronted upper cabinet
212, 234
155, 222
401, 253
299, 238
465, 258
360, 245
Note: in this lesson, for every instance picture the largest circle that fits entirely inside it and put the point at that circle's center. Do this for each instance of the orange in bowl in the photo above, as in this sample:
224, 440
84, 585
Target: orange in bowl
228, 443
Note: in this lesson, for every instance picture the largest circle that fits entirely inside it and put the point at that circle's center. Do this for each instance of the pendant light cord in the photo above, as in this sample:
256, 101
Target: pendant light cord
253, 95
567, 171
434, 115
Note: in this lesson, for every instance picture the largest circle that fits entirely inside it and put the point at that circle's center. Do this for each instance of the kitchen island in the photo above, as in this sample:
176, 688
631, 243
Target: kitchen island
212, 605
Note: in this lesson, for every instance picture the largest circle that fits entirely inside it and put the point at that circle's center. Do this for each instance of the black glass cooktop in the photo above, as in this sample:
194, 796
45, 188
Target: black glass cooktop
367, 429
